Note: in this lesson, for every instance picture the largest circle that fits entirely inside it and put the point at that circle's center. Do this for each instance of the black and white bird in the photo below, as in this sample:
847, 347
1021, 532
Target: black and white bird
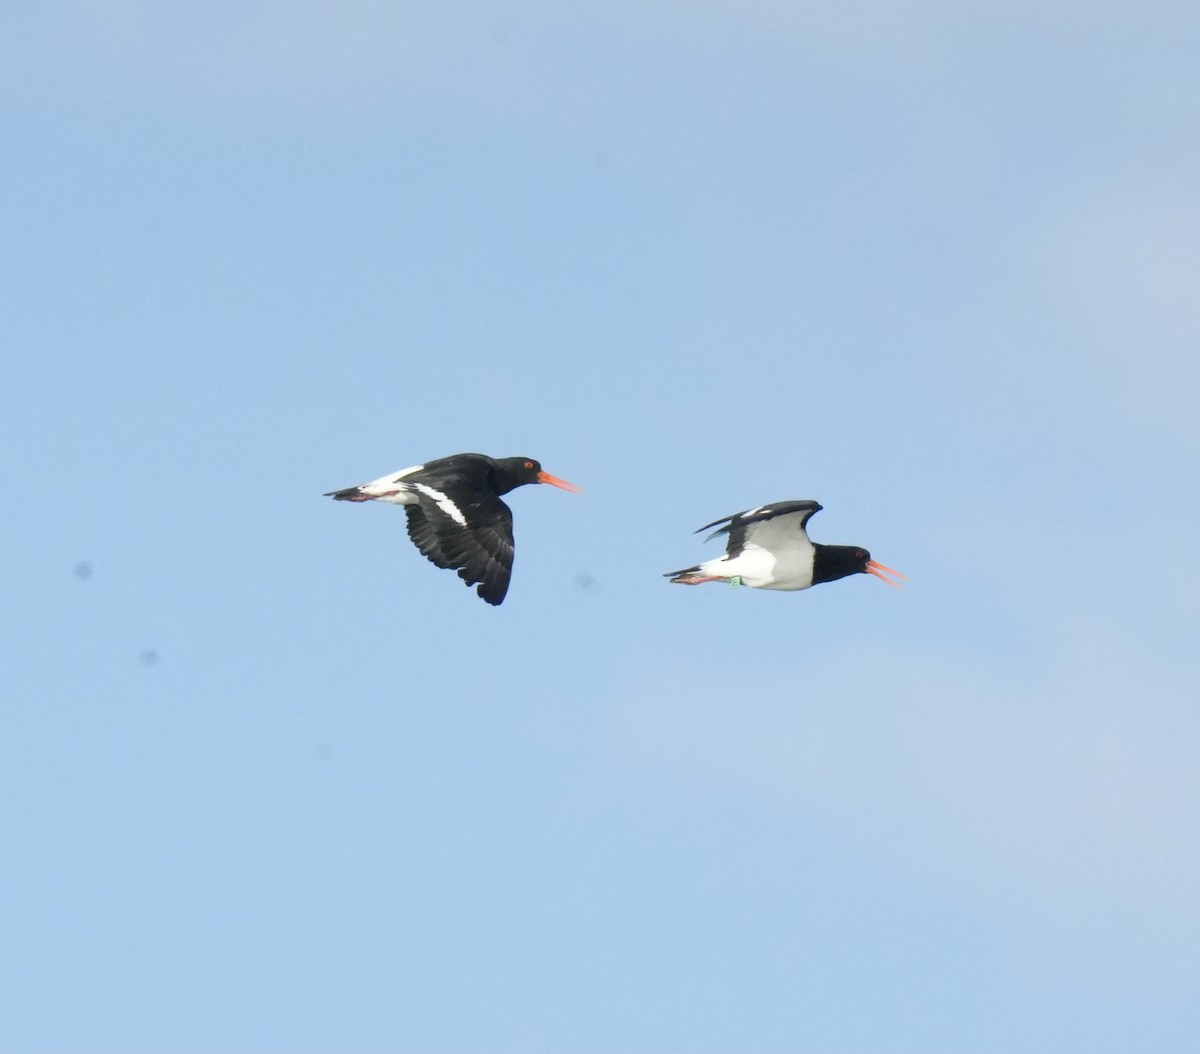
455, 515
769, 548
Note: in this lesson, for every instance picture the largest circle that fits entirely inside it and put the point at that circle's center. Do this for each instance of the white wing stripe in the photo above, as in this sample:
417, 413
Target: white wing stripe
443, 502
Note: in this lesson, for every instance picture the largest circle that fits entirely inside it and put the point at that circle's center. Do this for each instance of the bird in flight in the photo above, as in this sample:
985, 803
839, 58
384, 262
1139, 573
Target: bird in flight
769, 548
455, 515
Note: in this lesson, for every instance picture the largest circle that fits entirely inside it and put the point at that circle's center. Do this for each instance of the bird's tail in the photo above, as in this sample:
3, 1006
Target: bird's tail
348, 494
685, 576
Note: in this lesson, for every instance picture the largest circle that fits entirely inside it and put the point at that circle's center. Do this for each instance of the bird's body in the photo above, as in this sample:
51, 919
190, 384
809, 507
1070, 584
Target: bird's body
455, 515
768, 548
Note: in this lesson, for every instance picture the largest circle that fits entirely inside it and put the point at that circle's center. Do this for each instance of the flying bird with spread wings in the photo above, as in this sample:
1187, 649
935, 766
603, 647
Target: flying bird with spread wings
769, 548
455, 515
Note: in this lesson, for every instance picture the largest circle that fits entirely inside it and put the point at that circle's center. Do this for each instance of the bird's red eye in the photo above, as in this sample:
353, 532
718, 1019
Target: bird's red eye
529, 464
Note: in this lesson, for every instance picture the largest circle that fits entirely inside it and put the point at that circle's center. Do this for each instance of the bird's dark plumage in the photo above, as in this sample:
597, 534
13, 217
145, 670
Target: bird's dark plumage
455, 515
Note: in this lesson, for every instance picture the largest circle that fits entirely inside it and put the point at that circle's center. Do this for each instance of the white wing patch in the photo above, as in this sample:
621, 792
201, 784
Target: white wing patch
780, 534
443, 502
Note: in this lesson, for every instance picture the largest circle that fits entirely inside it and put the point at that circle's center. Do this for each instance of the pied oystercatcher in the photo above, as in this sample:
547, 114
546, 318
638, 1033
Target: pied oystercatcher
768, 548
455, 515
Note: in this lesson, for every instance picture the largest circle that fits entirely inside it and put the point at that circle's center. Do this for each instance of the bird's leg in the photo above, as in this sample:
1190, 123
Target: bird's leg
696, 580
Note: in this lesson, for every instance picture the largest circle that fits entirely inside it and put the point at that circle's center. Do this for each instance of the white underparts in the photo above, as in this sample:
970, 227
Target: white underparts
759, 568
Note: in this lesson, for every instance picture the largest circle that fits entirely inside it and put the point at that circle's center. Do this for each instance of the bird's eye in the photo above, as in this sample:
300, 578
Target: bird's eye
529, 464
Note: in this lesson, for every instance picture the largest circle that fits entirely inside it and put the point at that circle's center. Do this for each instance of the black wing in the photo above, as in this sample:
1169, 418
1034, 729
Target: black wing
481, 552
736, 525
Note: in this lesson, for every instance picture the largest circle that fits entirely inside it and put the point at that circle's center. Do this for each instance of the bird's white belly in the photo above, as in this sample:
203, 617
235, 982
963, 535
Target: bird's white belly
760, 569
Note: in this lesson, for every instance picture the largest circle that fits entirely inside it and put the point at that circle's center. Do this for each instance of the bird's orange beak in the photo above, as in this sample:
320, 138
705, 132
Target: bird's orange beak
881, 572
554, 481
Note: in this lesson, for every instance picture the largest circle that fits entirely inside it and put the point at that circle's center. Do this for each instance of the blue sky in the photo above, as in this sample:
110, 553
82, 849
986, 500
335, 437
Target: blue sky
271, 782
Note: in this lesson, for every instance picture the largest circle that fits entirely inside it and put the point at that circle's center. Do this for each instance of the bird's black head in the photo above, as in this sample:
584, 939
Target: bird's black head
510, 472
831, 562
